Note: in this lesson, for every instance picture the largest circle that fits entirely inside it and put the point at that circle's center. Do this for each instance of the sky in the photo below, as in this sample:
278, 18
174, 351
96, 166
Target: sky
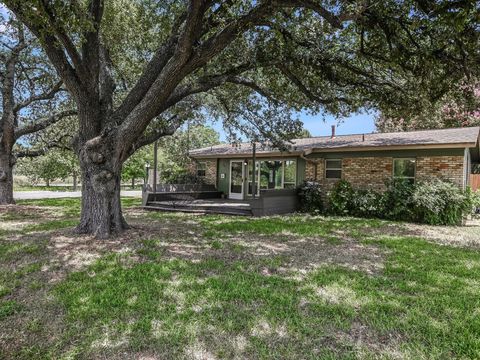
361, 123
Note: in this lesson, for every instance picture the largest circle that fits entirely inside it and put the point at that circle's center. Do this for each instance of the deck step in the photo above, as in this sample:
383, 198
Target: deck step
186, 209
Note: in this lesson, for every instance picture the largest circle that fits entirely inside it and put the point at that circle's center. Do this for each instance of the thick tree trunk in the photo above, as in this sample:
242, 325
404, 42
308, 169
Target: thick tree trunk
101, 213
6, 179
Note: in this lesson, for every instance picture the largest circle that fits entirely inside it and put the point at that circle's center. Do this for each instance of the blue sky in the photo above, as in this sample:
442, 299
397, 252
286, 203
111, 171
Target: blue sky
361, 123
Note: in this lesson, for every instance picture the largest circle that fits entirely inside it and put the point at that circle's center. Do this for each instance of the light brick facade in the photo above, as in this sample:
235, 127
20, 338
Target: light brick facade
210, 172
444, 167
374, 172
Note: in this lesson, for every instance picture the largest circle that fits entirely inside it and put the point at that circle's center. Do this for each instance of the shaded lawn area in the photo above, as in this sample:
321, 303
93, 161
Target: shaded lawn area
211, 287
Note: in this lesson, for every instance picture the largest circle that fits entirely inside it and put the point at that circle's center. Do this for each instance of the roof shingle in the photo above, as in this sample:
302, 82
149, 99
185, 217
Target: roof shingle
467, 135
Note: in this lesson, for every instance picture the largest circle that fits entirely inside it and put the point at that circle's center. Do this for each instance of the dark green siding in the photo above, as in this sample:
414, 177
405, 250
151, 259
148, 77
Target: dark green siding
223, 168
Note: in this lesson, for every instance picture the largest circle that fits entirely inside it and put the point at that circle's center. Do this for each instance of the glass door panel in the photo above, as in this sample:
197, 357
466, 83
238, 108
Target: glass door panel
236, 179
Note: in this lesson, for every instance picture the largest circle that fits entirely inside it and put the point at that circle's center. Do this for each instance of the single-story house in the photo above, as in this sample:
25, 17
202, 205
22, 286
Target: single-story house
365, 160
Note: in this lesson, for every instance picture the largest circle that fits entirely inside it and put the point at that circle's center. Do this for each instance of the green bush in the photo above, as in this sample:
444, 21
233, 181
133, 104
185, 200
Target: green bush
475, 203
367, 203
433, 202
439, 202
340, 199
310, 195
397, 201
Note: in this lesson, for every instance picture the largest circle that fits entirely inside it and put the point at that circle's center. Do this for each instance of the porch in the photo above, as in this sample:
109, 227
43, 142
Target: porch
205, 199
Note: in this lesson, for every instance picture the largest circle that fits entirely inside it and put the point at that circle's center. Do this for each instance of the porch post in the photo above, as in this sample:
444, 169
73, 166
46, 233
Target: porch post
254, 187
155, 164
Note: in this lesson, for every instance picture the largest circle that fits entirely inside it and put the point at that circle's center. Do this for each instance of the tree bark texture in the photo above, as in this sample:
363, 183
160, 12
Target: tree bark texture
6, 179
101, 212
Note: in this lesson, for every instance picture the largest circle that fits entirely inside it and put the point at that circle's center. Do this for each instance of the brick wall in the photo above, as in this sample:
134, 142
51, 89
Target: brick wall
373, 172
444, 167
210, 173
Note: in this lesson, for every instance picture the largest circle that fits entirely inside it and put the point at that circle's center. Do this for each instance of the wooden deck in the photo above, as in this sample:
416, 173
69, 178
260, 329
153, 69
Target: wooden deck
209, 201
203, 206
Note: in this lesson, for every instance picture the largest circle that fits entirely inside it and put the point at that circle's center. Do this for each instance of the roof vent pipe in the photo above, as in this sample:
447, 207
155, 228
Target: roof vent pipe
333, 131
363, 137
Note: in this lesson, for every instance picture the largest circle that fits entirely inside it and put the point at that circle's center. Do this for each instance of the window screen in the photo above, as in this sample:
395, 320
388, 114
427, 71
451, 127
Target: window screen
333, 169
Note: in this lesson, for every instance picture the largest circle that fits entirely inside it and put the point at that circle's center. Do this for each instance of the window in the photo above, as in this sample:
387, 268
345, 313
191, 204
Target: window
201, 168
250, 177
333, 169
289, 174
404, 169
272, 174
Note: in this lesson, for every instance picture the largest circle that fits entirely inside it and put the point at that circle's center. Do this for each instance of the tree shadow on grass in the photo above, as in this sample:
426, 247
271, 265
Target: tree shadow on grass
420, 305
302, 287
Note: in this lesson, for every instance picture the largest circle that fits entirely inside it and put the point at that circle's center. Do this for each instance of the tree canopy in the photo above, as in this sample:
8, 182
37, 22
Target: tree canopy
138, 70
459, 107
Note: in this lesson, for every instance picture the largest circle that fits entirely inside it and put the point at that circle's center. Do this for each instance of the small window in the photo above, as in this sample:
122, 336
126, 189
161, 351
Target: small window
333, 169
201, 169
404, 169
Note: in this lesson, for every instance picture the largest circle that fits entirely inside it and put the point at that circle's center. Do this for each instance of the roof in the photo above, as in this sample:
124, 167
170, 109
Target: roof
438, 138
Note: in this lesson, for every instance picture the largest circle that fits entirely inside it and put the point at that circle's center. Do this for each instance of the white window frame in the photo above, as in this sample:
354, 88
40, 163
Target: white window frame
238, 196
404, 177
327, 168
257, 176
295, 174
206, 166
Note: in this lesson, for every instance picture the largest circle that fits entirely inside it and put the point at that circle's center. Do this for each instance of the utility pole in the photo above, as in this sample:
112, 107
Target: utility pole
155, 165
254, 183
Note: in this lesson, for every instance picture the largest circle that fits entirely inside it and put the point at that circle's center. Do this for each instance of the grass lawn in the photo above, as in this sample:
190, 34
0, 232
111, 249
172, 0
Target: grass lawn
213, 287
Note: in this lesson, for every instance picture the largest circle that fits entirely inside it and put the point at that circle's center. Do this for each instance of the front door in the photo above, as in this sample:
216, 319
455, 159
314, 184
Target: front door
236, 179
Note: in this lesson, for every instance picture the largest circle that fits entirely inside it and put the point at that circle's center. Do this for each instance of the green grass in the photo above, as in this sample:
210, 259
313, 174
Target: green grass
63, 187
8, 308
424, 296
43, 188
218, 226
199, 285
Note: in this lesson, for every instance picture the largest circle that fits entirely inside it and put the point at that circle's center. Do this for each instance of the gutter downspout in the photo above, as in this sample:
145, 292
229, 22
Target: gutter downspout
314, 162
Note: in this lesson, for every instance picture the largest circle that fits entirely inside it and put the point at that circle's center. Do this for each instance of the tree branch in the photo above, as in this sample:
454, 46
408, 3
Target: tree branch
174, 123
42, 124
299, 84
51, 45
47, 95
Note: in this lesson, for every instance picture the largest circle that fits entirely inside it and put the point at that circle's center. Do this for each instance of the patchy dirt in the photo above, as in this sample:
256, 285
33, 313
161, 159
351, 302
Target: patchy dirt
368, 342
459, 236
24, 212
60, 252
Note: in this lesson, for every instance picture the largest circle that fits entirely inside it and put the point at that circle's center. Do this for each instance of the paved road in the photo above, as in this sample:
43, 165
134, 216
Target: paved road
35, 195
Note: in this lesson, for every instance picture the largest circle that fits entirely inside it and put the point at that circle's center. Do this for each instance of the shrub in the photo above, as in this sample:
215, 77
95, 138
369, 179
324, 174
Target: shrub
475, 203
367, 203
310, 195
439, 202
340, 200
434, 202
396, 201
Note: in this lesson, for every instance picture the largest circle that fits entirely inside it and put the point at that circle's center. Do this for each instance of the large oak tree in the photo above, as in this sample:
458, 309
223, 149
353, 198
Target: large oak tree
30, 95
133, 66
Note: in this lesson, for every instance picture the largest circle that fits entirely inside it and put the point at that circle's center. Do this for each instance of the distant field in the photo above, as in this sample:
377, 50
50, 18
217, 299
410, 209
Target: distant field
63, 187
